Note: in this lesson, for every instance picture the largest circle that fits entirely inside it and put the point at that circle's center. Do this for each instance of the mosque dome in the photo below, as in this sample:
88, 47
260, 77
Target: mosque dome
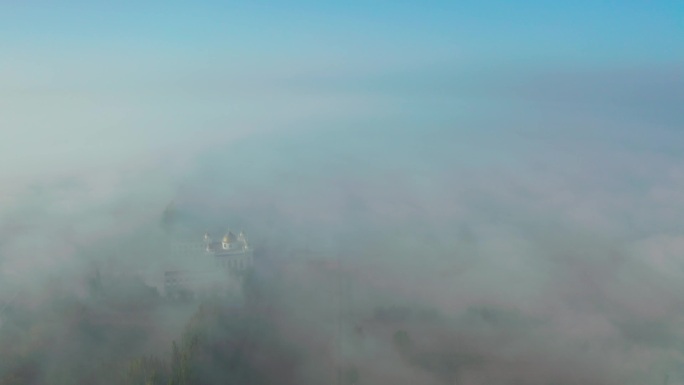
229, 237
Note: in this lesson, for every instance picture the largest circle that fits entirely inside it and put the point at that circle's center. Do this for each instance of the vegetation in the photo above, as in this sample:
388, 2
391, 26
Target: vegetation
169, 217
61, 338
223, 345
101, 335
97, 339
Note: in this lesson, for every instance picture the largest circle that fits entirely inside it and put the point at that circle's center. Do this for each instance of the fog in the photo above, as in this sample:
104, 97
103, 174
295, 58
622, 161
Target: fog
437, 217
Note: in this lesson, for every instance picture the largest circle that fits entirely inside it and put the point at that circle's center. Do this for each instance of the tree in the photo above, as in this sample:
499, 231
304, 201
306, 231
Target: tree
402, 341
147, 371
350, 375
179, 366
95, 284
169, 217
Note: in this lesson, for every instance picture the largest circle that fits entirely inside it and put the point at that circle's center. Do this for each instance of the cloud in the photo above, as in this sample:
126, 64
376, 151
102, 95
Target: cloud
562, 222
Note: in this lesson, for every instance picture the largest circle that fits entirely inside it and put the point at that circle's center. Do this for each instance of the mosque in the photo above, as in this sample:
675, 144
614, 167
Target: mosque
210, 267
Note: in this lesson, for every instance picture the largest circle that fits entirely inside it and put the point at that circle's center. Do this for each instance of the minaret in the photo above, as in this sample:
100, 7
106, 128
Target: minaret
243, 239
207, 241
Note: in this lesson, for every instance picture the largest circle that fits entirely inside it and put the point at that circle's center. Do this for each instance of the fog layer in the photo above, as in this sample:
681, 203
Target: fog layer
420, 221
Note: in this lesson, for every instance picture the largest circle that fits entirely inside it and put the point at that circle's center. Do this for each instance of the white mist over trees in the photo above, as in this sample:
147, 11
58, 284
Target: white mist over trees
436, 193
381, 257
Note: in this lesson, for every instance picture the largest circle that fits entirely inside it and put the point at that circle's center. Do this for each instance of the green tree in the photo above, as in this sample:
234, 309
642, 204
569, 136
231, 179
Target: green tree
179, 366
147, 371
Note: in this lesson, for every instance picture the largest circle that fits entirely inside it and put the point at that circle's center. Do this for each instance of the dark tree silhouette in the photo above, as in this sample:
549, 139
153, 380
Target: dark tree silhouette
169, 217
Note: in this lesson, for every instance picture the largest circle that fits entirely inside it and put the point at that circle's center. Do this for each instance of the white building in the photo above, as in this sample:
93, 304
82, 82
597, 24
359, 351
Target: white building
208, 267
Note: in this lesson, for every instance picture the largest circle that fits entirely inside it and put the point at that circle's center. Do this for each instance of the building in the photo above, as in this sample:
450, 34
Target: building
209, 267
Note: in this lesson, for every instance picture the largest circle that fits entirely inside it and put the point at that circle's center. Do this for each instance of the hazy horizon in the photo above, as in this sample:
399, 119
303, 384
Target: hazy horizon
522, 157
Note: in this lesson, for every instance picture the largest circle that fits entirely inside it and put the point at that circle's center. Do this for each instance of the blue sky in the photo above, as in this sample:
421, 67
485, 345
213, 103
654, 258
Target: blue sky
582, 31
133, 72
335, 37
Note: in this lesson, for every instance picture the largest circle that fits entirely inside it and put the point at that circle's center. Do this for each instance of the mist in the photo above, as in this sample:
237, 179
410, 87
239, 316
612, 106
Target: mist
424, 207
